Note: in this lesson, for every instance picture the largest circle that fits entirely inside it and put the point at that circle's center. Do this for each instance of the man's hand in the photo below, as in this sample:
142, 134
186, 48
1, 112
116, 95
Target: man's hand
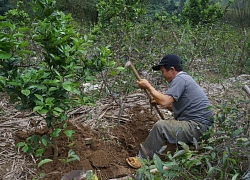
158, 98
152, 101
143, 84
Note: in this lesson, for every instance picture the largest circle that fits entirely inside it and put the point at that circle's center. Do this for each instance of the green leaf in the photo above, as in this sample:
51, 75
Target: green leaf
18, 35
63, 161
49, 100
237, 132
73, 159
158, 163
53, 89
13, 83
232, 160
235, 176
163, 148
179, 153
39, 103
65, 125
25, 148
37, 108
120, 68
8, 24
25, 92
71, 144
55, 133
112, 72
213, 155
72, 75
71, 153
43, 111
242, 139
44, 142
84, 52
42, 162
24, 51
210, 171
184, 145
56, 113
210, 140
208, 147
54, 82
24, 44
41, 175
4, 55
85, 37
208, 163
39, 97
69, 133
68, 87
41, 87
39, 152
195, 142
20, 144
23, 29
58, 109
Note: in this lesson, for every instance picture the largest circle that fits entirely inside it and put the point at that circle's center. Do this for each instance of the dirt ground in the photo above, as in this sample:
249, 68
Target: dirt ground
104, 136
101, 142
101, 150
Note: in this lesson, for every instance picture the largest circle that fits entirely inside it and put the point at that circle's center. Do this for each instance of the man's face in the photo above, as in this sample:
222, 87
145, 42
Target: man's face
168, 75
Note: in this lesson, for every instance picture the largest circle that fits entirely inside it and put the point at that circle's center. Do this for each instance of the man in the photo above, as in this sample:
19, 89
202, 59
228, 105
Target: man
187, 101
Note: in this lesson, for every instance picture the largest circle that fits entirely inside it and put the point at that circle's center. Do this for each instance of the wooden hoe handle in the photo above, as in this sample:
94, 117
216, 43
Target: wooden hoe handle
148, 94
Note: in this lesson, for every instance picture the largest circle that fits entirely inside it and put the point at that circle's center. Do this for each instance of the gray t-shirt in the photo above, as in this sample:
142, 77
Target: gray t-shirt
191, 103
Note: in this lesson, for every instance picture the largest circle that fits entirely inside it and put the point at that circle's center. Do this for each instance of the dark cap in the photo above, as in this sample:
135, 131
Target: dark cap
168, 60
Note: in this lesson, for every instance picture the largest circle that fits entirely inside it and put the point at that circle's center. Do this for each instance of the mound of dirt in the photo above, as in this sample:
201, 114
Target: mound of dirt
102, 150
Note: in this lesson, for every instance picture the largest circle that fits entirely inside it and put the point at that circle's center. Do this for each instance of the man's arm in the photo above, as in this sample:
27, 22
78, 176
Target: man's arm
164, 100
169, 107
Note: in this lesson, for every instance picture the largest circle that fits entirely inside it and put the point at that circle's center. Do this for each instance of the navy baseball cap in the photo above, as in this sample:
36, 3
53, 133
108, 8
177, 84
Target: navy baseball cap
168, 60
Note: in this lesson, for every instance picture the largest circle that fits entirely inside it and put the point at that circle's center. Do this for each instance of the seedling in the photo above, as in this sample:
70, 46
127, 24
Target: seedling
69, 134
42, 162
72, 156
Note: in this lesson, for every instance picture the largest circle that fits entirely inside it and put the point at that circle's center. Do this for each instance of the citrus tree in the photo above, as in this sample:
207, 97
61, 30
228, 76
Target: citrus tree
48, 84
202, 12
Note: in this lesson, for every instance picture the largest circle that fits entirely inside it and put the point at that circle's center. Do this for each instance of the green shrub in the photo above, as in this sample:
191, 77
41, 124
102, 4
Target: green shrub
50, 88
201, 12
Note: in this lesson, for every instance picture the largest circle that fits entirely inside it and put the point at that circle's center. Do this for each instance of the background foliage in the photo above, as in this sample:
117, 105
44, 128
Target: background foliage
86, 12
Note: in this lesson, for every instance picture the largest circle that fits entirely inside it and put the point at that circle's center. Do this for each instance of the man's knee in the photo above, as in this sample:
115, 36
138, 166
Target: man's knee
159, 124
165, 123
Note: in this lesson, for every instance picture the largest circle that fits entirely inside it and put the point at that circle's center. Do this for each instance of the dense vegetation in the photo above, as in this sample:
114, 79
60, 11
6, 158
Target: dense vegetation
46, 54
86, 12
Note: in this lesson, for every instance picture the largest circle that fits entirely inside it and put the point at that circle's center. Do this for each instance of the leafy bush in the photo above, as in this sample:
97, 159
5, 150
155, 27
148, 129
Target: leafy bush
119, 10
48, 87
201, 12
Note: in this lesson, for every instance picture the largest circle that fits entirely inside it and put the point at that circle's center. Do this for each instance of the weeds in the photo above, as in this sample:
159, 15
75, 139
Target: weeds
224, 155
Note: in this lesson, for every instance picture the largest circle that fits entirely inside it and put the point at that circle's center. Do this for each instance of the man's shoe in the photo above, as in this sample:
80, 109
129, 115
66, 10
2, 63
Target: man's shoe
134, 162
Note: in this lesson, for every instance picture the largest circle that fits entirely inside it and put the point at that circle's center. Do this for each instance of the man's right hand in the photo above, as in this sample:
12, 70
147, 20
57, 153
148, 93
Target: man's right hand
143, 84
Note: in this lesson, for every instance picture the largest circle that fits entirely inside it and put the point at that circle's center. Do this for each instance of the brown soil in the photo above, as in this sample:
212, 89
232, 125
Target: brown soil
101, 141
102, 150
